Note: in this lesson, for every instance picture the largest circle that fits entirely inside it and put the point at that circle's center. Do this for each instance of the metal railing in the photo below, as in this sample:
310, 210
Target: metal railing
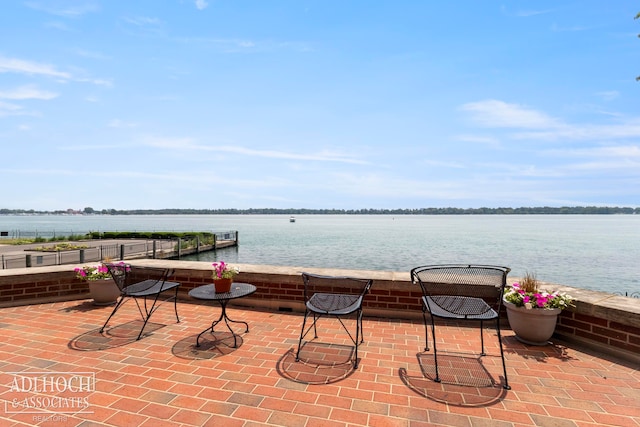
53, 234
148, 249
136, 249
627, 294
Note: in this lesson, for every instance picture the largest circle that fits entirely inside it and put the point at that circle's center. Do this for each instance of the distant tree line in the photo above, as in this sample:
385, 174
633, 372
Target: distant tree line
545, 210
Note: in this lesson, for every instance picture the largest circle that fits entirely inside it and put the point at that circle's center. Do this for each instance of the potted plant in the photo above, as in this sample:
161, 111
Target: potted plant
102, 287
532, 312
223, 275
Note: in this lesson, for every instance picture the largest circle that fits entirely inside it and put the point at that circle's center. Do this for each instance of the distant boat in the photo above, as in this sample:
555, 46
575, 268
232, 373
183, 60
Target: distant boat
292, 219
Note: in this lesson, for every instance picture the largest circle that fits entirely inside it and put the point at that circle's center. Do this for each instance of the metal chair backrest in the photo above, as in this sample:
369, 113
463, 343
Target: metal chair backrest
441, 282
126, 275
119, 273
334, 293
138, 274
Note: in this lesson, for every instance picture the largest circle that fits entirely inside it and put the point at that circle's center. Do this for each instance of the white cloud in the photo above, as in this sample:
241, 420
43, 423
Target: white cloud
171, 143
90, 147
27, 92
74, 10
627, 167
477, 139
187, 144
444, 164
21, 66
13, 65
244, 45
536, 125
320, 156
201, 4
620, 151
9, 107
117, 123
97, 82
56, 25
92, 54
142, 21
584, 132
527, 13
573, 28
225, 45
608, 95
625, 151
20, 94
495, 113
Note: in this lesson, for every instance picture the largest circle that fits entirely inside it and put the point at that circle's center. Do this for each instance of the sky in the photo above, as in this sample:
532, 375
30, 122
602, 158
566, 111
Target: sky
318, 104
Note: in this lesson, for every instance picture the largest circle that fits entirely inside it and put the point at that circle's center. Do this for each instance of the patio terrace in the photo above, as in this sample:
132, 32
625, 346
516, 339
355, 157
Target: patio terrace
164, 380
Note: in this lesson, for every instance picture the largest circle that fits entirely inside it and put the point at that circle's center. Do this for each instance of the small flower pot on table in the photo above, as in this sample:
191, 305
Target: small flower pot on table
222, 285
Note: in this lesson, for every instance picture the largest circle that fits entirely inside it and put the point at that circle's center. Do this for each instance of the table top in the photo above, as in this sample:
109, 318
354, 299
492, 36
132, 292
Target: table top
208, 292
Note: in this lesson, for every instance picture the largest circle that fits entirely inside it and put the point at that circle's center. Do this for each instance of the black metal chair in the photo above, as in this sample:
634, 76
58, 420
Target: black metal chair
461, 292
142, 283
335, 296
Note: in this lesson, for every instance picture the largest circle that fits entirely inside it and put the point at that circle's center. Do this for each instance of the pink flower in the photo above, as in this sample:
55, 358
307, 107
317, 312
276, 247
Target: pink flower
222, 270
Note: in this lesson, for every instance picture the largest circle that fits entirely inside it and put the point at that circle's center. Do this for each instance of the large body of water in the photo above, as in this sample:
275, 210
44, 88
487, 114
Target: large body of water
598, 252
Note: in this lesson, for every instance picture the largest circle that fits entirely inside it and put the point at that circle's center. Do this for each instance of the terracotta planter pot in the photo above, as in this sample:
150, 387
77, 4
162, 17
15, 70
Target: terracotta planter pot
222, 285
103, 292
533, 326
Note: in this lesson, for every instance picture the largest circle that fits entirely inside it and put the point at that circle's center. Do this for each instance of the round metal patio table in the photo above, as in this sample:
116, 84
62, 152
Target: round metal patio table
208, 292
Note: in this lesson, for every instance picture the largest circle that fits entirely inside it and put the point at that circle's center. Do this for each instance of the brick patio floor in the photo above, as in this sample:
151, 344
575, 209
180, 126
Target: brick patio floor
164, 380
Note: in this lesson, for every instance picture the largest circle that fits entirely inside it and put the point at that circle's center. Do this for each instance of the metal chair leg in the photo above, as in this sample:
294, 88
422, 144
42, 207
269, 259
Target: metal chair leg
482, 353
435, 350
118, 304
506, 385
302, 334
175, 305
426, 330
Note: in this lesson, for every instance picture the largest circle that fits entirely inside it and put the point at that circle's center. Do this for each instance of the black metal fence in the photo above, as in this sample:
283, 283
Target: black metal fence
135, 249
54, 234
146, 249
627, 294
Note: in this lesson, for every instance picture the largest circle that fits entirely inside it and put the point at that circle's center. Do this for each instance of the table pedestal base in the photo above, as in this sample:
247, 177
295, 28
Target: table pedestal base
208, 293
227, 319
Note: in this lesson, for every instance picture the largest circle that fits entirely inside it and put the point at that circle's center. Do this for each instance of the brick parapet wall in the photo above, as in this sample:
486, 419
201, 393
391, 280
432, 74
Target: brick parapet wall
281, 288
608, 322
603, 332
29, 285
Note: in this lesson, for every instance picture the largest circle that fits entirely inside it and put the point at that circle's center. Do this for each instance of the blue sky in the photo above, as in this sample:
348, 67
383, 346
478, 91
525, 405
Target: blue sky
318, 104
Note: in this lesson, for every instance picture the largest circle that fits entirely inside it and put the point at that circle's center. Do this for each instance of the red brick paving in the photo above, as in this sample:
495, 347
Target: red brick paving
164, 380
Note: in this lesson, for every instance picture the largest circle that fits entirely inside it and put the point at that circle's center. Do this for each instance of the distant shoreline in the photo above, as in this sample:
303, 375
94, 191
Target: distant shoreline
545, 210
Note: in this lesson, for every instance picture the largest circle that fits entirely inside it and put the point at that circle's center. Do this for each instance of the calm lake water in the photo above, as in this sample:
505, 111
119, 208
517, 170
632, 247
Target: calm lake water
598, 252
